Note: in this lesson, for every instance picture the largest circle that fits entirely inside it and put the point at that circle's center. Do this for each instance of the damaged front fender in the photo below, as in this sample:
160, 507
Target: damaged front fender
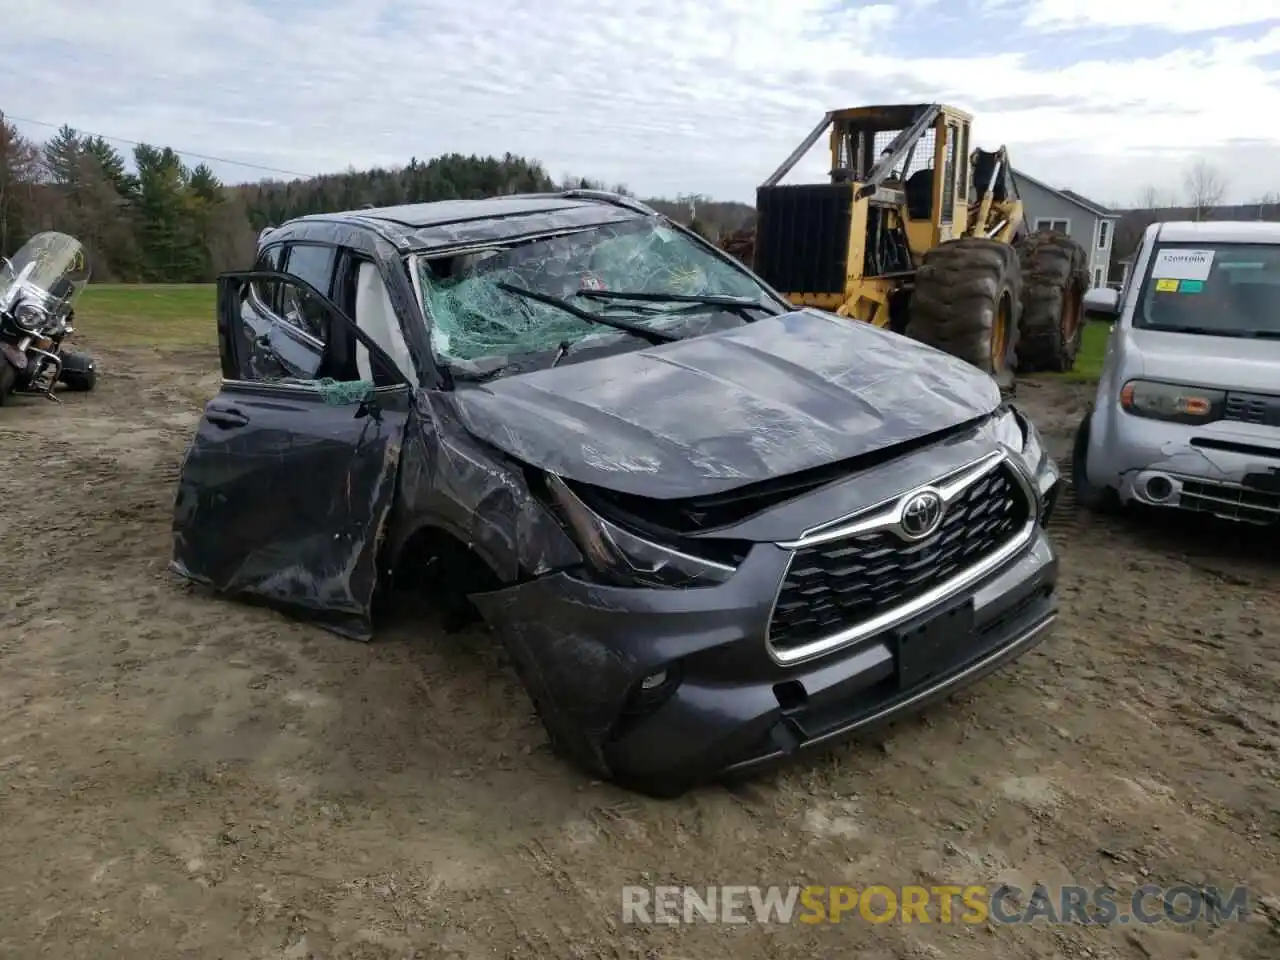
451, 482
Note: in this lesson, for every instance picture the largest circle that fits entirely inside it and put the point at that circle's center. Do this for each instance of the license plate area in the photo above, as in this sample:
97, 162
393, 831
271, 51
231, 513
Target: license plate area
934, 644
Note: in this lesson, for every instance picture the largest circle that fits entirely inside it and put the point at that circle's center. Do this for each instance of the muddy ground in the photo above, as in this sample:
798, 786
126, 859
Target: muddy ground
182, 776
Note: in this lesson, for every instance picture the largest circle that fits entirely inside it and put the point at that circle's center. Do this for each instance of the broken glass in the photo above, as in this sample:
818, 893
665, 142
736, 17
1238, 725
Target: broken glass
475, 323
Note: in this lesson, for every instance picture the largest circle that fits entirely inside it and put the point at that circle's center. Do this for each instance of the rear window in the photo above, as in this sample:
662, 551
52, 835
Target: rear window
1220, 289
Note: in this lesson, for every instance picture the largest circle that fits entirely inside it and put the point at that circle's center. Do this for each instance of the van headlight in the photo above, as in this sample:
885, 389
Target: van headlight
624, 559
1171, 401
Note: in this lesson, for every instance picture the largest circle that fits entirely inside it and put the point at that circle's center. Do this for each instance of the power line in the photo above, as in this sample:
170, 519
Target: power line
185, 153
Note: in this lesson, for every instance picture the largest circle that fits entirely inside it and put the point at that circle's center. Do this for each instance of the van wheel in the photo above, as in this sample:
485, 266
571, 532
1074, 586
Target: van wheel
1098, 499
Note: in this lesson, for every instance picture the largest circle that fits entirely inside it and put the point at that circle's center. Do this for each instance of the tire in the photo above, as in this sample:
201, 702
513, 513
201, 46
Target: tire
1103, 500
80, 382
8, 380
966, 302
1055, 275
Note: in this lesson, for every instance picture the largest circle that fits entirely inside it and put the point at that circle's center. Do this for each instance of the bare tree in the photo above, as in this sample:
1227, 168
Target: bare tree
1152, 197
1267, 204
1205, 189
1151, 202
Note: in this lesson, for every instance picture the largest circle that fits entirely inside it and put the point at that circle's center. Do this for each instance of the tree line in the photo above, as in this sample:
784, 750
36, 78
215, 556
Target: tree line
159, 220
163, 221
1199, 196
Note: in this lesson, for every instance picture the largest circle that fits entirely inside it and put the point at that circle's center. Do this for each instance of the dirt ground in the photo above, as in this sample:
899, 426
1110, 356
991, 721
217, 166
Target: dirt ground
183, 776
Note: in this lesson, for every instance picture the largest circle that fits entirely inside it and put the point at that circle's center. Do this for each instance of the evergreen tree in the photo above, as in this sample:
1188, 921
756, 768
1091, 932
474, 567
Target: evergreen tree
164, 222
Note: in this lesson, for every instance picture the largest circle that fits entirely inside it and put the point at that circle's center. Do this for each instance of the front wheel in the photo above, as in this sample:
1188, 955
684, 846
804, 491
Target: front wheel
1098, 499
80, 382
78, 371
966, 303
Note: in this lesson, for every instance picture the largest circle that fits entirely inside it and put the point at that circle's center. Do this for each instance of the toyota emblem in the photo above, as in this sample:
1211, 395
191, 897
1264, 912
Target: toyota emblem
921, 514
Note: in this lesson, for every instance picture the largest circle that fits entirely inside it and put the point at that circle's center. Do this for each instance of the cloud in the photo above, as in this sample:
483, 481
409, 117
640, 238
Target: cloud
667, 96
1177, 16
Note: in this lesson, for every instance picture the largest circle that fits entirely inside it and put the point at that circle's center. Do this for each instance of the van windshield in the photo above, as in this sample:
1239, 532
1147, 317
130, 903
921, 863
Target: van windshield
1219, 289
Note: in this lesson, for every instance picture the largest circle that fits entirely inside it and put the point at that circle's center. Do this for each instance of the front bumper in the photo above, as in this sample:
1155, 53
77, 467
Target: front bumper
1228, 469
726, 705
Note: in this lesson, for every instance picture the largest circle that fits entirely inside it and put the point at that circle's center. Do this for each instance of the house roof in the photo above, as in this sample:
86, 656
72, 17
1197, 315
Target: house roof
1069, 195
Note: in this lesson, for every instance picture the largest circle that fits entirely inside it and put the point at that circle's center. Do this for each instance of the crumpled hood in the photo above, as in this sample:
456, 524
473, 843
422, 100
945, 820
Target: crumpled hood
708, 414
1227, 363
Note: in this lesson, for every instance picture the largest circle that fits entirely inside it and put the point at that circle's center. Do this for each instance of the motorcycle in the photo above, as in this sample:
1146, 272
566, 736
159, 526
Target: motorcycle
38, 291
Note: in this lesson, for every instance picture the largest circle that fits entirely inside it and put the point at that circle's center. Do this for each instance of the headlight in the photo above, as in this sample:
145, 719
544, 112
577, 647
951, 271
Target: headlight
1171, 402
1009, 431
626, 559
1017, 433
29, 316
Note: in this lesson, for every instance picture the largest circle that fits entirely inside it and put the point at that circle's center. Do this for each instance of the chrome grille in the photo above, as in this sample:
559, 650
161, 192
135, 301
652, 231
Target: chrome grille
830, 587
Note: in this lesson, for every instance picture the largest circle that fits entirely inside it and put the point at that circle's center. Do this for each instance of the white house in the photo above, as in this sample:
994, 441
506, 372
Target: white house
1090, 224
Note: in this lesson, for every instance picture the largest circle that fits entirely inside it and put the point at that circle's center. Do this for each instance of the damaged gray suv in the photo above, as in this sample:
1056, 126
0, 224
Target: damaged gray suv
711, 529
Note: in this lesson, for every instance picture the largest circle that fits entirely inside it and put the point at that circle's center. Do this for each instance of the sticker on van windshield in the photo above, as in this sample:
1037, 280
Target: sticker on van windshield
1190, 286
1166, 286
1178, 264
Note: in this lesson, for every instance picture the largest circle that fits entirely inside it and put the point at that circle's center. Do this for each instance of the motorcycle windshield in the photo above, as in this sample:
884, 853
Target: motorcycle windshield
53, 263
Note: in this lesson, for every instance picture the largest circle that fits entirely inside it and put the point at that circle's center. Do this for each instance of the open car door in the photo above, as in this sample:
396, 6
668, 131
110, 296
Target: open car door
286, 487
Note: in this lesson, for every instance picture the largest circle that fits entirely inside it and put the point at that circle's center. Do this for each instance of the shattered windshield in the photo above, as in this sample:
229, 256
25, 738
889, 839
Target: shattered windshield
479, 322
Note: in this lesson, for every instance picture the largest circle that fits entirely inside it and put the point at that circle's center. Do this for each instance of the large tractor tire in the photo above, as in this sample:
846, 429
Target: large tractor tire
966, 302
1055, 275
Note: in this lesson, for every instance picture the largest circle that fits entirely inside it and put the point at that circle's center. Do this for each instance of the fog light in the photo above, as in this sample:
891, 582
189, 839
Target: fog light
1159, 488
654, 680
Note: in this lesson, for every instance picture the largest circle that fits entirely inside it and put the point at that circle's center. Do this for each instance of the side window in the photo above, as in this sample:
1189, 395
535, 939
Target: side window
314, 264
274, 351
267, 293
277, 352
949, 172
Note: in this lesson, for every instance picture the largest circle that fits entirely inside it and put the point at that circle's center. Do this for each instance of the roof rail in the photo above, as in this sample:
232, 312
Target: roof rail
607, 196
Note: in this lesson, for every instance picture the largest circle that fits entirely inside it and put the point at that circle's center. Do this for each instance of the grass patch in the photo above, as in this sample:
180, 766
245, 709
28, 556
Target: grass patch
146, 314
1093, 349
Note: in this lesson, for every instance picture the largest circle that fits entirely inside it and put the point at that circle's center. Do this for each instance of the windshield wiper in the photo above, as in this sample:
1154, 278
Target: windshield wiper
737, 304
646, 333
1202, 331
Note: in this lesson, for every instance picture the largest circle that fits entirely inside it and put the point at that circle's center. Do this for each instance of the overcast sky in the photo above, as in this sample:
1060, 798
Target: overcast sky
668, 96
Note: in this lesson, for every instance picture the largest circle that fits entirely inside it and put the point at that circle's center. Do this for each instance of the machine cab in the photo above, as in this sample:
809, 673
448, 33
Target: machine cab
901, 181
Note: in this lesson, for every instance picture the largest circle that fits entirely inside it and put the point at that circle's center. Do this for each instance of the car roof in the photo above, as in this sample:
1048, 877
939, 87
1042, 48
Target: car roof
1220, 231
419, 227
